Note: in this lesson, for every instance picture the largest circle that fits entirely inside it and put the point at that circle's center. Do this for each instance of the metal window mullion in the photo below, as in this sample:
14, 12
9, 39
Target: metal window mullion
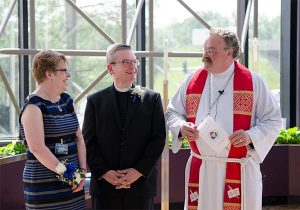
9, 90
32, 36
16, 51
255, 18
89, 20
285, 72
141, 43
151, 45
23, 44
298, 66
124, 20
246, 26
134, 21
204, 23
7, 16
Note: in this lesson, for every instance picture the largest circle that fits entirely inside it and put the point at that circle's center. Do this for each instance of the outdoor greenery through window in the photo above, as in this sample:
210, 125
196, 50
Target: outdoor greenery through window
59, 26
10, 65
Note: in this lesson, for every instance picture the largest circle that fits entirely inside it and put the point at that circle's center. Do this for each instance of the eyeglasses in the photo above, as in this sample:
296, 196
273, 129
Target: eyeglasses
64, 70
211, 51
127, 62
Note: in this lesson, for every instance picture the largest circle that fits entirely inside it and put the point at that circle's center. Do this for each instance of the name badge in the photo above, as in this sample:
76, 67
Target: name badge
232, 193
61, 149
194, 196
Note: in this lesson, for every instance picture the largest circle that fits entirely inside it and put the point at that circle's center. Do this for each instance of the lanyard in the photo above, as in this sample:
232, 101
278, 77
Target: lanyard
210, 106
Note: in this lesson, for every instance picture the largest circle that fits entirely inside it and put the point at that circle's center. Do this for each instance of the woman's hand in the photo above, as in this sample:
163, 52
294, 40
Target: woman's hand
79, 187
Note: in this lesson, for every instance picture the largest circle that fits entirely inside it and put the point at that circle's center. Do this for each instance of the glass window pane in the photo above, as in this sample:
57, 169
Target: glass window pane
10, 66
266, 59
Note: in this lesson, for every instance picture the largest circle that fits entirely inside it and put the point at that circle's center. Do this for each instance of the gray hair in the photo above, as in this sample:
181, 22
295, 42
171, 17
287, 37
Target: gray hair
112, 49
230, 39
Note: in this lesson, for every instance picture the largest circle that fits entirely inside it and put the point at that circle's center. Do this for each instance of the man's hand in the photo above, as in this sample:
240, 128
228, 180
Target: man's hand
189, 131
113, 177
240, 138
130, 175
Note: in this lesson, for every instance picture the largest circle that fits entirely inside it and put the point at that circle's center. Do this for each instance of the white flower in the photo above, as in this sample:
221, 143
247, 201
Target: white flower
60, 168
136, 90
71, 175
78, 177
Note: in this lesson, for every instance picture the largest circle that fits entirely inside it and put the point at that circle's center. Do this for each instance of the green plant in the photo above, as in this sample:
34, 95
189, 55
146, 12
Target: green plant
289, 136
185, 143
14, 148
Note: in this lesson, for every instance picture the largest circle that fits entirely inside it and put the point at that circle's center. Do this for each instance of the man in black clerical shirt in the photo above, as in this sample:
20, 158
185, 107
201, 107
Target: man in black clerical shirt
124, 131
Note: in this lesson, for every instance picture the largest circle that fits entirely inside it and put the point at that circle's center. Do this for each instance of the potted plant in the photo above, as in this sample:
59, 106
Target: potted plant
289, 136
14, 148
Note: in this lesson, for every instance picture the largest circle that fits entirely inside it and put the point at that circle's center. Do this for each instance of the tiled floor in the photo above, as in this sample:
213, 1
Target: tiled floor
282, 207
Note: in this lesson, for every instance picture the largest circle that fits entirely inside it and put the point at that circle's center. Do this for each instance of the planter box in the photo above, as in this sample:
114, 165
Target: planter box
281, 173
294, 170
177, 164
11, 185
275, 172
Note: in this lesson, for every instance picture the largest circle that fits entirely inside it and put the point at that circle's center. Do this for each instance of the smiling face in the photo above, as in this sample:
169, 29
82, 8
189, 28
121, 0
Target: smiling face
58, 78
123, 68
61, 76
217, 55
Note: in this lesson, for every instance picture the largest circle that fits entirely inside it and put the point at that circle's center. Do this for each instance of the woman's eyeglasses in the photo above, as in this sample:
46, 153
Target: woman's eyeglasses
64, 70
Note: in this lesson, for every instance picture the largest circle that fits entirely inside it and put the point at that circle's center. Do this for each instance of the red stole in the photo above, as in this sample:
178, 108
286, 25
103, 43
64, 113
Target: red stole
242, 111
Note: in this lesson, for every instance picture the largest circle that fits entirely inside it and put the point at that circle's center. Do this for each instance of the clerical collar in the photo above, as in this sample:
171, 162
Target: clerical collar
122, 90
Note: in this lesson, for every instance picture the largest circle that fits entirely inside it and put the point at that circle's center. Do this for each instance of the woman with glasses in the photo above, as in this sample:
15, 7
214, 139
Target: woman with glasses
54, 172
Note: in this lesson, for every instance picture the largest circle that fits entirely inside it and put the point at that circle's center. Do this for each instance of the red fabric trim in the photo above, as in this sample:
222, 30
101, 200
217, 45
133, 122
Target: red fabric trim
196, 86
242, 82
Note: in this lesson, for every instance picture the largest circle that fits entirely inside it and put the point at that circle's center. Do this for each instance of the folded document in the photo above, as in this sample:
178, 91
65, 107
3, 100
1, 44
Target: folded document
213, 134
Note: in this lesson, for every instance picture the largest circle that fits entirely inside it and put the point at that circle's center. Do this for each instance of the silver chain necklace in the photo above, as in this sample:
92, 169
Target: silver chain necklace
56, 103
210, 106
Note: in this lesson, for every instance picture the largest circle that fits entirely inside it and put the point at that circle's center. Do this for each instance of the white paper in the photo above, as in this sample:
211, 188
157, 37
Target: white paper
213, 134
232, 193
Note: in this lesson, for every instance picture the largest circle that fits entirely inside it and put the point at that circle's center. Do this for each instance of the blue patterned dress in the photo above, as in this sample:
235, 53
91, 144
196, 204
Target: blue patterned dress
42, 190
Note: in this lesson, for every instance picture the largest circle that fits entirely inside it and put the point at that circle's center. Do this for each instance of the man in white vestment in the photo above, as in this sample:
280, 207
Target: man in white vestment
239, 102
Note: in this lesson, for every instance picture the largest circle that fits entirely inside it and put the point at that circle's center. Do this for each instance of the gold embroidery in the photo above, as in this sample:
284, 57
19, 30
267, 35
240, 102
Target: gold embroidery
193, 184
192, 103
232, 206
233, 181
243, 102
192, 207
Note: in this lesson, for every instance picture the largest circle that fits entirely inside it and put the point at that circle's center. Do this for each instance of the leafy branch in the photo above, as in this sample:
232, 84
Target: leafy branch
14, 148
289, 136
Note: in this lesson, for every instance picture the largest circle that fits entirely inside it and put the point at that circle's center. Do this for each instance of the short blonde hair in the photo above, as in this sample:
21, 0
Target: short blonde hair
46, 60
